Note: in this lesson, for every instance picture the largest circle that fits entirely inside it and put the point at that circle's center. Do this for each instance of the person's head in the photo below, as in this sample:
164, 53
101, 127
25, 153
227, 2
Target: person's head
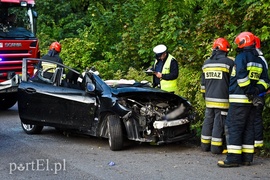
257, 42
245, 39
12, 19
160, 51
55, 46
221, 44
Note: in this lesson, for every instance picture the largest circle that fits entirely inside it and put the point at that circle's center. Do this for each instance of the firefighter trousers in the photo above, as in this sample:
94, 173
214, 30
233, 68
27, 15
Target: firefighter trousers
258, 127
212, 135
239, 129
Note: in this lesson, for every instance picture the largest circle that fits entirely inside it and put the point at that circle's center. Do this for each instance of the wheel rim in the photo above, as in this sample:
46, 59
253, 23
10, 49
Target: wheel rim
28, 127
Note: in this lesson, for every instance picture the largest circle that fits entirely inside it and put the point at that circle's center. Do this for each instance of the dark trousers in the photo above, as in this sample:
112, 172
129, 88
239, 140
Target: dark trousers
258, 127
239, 129
213, 130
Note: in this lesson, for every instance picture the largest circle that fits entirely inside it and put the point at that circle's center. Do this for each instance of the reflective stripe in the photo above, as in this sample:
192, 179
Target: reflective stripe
202, 89
255, 69
239, 98
216, 67
262, 82
243, 82
224, 113
248, 148
206, 139
217, 105
216, 99
240, 101
254, 64
258, 143
216, 141
234, 149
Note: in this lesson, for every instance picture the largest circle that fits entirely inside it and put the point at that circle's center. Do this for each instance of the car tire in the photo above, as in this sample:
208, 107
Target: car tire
31, 129
115, 133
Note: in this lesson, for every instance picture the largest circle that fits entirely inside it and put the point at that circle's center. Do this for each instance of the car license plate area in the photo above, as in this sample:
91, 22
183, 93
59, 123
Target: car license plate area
172, 123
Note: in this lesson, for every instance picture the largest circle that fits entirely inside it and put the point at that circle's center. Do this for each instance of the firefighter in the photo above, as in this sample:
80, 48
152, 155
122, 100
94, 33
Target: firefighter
165, 69
258, 121
53, 55
215, 88
248, 78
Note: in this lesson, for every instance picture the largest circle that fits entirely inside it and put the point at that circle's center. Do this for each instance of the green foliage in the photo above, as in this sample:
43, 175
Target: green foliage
189, 87
266, 124
117, 37
78, 53
137, 75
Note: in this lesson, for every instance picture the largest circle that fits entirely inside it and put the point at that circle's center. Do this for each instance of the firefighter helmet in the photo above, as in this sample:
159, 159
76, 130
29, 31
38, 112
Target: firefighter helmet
245, 39
56, 46
221, 44
257, 42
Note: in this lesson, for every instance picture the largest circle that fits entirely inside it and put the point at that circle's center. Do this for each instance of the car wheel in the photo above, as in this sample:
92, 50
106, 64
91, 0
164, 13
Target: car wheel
31, 129
115, 133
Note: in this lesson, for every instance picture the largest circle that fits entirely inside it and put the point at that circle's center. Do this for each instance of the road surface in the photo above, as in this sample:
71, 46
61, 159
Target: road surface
56, 155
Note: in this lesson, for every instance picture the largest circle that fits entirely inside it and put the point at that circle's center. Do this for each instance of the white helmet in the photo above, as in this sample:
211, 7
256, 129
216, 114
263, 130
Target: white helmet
159, 49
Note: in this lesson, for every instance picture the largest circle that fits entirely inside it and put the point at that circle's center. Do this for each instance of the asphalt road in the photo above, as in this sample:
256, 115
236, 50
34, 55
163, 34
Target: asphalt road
54, 155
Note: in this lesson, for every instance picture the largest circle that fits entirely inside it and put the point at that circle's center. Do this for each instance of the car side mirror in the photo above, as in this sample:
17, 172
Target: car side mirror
90, 87
35, 14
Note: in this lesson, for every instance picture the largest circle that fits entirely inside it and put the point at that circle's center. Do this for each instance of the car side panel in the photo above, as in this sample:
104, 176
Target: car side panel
55, 105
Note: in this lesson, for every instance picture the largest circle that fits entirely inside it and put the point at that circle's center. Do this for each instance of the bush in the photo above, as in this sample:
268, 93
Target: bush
189, 87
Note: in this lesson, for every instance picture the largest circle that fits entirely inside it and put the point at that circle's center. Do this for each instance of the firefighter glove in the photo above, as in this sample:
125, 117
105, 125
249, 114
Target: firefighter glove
258, 101
250, 97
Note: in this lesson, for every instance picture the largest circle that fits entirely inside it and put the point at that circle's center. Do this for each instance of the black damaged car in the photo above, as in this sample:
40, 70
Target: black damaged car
116, 110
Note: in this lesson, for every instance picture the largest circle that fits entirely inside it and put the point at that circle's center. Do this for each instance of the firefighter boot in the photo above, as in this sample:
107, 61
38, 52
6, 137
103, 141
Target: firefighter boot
226, 164
205, 147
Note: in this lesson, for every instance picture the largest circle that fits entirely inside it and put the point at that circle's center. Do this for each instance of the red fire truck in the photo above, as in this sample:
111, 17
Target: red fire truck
18, 22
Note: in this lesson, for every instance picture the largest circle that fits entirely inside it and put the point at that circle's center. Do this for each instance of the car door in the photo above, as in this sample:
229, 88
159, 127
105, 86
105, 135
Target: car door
56, 105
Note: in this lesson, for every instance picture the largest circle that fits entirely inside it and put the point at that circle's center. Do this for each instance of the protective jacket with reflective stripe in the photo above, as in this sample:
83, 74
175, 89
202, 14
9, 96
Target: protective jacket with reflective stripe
215, 80
168, 85
248, 73
52, 56
169, 71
